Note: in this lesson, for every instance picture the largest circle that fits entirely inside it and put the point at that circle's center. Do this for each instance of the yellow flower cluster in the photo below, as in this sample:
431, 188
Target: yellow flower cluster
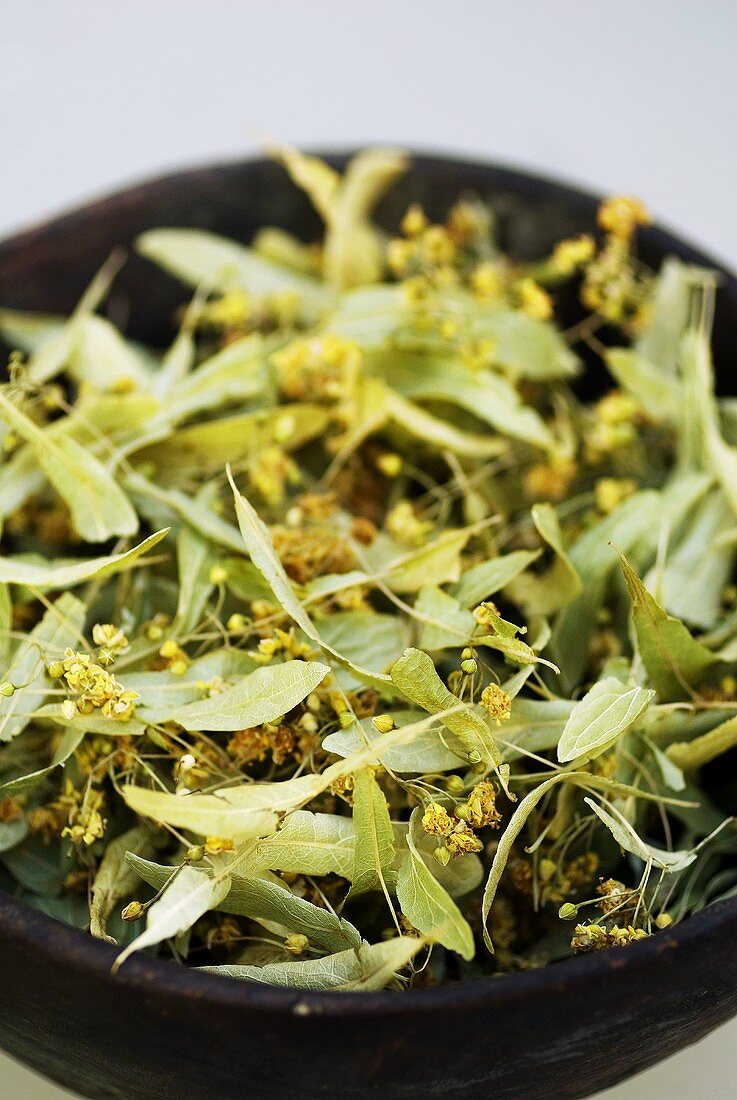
481, 805
478, 354
284, 643
614, 425
462, 841
437, 821
177, 659
95, 687
614, 895
457, 831
620, 215
533, 300
487, 281
85, 823
595, 937
230, 311
323, 368
570, 254
611, 491
550, 480
497, 702
111, 640
311, 551
271, 472
425, 248
611, 285
403, 524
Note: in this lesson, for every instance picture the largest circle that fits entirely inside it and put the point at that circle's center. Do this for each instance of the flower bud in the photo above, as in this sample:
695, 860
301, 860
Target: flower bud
7, 689
218, 575
296, 943
384, 723
237, 623
567, 911
184, 764
195, 854
663, 920
469, 667
390, 464
441, 855
308, 723
133, 911
547, 868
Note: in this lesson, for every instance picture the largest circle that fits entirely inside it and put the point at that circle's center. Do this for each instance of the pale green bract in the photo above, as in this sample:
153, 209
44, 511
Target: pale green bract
204, 814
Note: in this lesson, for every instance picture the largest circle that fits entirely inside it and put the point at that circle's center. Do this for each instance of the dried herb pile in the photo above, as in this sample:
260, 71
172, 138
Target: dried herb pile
344, 644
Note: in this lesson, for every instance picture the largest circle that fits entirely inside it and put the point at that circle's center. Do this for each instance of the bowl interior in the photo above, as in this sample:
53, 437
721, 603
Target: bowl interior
47, 268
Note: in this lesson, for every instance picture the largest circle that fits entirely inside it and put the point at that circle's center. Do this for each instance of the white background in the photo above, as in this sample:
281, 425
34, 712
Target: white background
634, 95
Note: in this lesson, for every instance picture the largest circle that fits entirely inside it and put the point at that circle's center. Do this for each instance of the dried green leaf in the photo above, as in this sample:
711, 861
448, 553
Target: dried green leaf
60, 627
198, 257
311, 844
68, 574
675, 662
115, 879
99, 507
270, 903
67, 744
598, 720
440, 433
429, 907
371, 967
204, 814
489, 397
374, 845
560, 584
184, 901
443, 622
415, 676
264, 557
483, 580
691, 755
627, 838
261, 696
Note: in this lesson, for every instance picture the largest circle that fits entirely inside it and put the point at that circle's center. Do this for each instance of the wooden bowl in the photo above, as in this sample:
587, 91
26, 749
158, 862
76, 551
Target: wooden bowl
157, 1030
